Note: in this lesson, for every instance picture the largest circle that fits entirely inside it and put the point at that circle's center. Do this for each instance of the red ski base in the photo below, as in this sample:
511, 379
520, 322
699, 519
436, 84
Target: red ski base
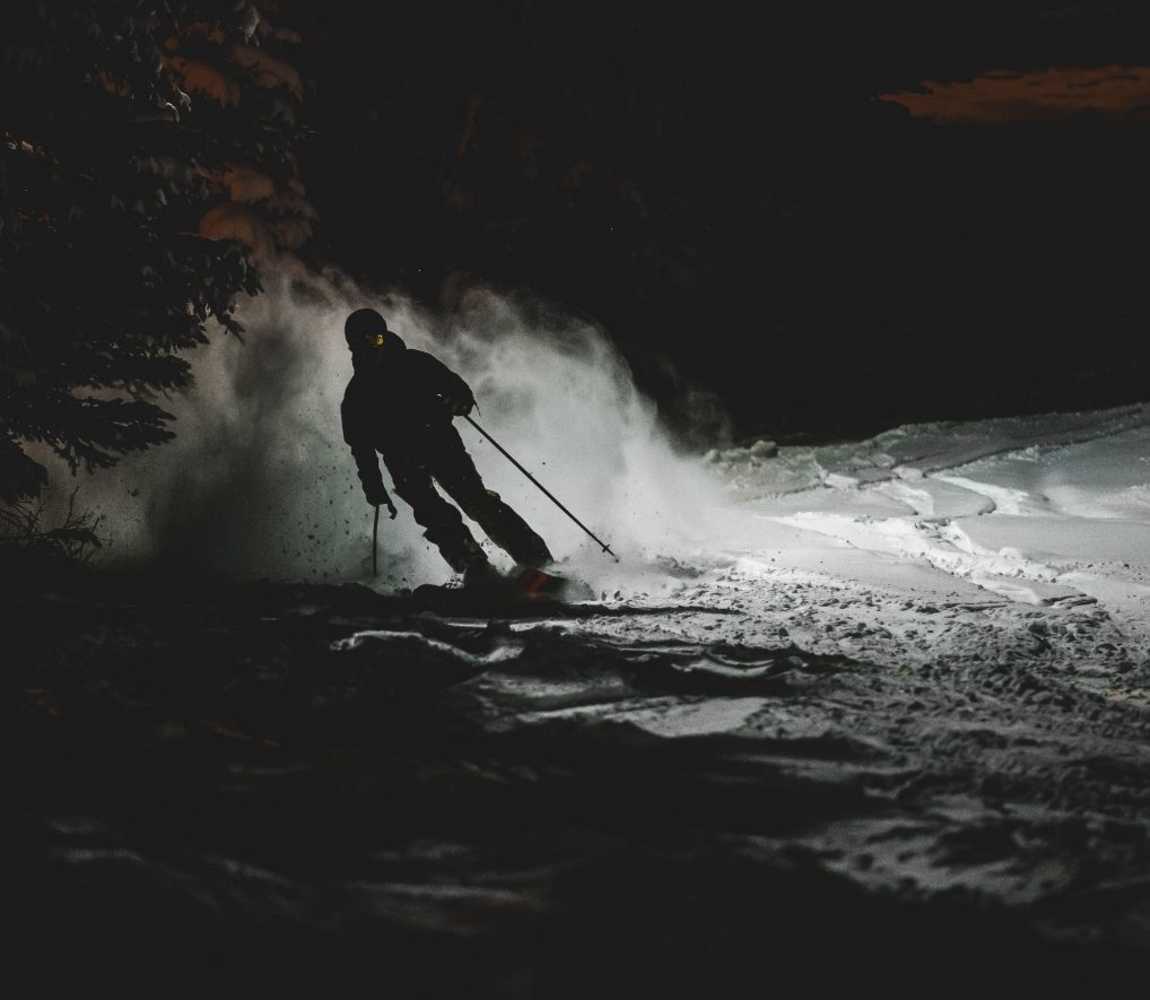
535, 583
527, 587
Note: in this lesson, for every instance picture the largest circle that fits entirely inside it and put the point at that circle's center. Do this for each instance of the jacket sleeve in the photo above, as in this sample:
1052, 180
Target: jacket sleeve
357, 434
443, 381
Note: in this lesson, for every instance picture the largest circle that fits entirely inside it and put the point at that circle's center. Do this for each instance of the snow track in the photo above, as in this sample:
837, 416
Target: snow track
945, 546
1042, 511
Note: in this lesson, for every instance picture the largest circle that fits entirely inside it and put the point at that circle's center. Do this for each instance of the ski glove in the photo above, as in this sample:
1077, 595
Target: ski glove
377, 497
459, 404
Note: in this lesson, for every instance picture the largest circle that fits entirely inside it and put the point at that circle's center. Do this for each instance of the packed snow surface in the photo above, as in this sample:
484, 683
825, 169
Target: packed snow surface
1044, 512
883, 702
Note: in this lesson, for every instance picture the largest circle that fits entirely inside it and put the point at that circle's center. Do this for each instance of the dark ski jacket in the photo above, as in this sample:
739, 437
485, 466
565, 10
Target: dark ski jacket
396, 409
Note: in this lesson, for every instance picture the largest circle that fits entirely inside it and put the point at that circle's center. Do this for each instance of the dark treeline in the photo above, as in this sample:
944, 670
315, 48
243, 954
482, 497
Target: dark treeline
725, 192
107, 168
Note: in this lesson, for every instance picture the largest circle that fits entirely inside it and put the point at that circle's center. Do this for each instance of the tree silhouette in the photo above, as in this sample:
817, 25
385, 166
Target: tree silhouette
108, 168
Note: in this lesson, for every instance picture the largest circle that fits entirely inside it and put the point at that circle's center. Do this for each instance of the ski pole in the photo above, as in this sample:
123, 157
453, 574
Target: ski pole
375, 545
546, 492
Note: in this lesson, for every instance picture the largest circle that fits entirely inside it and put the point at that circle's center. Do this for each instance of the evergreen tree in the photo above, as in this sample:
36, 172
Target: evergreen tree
107, 167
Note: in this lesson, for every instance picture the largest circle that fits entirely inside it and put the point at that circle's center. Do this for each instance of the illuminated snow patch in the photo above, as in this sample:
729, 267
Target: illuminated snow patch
663, 717
383, 639
1006, 499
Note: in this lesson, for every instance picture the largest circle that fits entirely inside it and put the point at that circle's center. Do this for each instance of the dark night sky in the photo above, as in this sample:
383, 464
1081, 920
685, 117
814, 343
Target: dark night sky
726, 189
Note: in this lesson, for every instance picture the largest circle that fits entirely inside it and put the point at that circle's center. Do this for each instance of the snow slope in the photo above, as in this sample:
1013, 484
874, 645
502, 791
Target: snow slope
1047, 511
890, 696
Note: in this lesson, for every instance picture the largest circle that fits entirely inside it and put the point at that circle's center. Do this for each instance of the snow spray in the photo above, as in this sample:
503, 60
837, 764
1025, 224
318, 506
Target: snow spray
259, 481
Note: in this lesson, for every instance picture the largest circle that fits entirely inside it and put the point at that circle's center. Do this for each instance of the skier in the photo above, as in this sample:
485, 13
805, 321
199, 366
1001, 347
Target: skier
400, 403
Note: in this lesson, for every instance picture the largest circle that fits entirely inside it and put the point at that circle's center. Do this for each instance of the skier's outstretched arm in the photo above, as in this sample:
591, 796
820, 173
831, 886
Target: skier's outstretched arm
455, 393
367, 465
366, 460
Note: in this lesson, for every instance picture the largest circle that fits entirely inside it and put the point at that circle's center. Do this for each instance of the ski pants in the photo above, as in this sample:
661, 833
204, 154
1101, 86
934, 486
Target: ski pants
441, 456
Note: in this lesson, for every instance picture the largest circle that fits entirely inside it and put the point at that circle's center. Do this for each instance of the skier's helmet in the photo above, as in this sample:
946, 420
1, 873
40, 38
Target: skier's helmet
366, 329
